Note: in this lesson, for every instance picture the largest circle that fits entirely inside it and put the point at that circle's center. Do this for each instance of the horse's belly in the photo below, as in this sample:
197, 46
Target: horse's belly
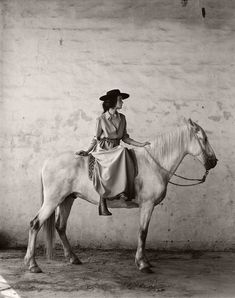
119, 203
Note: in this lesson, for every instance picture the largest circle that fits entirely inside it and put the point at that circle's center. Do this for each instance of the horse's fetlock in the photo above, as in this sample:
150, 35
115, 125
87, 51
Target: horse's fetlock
26, 260
60, 230
143, 264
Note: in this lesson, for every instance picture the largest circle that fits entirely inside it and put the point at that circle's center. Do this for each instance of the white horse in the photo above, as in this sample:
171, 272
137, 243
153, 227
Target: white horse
65, 178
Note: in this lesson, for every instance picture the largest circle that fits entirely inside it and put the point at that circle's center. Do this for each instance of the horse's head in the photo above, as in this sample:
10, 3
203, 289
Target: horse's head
200, 147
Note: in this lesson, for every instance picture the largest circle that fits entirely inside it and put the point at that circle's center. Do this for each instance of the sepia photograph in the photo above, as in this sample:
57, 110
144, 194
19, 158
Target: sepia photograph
117, 159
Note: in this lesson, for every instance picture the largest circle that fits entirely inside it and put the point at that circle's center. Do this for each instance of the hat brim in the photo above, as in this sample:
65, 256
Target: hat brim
106, 97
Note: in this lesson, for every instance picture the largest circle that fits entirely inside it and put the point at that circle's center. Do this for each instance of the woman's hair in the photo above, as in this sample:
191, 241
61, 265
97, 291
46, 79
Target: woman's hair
109, 104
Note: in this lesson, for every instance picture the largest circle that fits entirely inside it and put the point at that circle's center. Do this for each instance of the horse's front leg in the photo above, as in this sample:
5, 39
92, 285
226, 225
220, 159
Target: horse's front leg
145, 216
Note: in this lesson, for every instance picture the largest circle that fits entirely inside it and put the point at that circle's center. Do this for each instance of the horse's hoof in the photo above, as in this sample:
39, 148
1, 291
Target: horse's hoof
146, 270
75, 261
150, 264
35, 269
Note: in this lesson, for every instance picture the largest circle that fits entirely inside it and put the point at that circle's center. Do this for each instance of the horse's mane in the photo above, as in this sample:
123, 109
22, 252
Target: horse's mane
165, 144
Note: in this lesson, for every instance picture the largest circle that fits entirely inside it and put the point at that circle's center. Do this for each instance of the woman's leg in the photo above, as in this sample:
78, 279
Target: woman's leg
103, 209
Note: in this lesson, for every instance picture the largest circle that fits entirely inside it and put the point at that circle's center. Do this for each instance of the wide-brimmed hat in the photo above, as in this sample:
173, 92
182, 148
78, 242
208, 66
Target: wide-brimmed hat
113, 94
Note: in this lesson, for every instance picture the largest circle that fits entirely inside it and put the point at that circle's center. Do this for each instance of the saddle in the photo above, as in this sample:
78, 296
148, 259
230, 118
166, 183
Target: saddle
91, 163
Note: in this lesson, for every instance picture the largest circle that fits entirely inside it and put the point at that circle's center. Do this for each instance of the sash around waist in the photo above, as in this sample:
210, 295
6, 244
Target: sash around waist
109, 139
112, 142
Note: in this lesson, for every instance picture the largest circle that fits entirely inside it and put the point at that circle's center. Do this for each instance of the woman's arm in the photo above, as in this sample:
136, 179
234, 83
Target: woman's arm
135, 143
126, 139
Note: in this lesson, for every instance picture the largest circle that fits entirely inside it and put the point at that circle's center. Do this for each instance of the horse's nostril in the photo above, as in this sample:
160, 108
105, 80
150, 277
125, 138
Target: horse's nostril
214, 162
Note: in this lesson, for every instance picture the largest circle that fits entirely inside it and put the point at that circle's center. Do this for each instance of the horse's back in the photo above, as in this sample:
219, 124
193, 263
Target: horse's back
64, 167
64, 160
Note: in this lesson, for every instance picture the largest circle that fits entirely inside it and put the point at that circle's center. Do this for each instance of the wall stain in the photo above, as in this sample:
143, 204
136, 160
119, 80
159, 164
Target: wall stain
215, 118
37, 146
220, 105
58, 120
76, 116
227, 115
152, 109
178, 106
84, 116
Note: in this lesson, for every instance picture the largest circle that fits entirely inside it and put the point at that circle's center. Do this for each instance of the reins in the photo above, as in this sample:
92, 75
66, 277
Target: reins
202, 180
199, 181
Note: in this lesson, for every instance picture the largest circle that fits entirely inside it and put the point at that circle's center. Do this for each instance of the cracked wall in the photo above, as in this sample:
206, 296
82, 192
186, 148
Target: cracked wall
58, 57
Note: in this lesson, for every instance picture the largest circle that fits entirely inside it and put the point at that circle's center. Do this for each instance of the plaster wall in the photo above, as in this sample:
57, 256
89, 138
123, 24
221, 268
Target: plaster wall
58, 57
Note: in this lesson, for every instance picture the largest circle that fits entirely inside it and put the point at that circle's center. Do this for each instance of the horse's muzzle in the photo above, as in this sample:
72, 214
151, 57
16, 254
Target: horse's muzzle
211, 162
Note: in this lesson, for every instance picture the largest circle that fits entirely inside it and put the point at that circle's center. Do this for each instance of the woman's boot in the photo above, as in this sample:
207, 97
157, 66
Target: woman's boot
103, 210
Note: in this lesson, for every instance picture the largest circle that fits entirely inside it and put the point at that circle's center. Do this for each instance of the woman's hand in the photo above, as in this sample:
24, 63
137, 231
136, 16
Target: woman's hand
82, 153
146, 144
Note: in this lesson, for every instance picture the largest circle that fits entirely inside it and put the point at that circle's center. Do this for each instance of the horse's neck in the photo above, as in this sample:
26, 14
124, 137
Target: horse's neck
168, 150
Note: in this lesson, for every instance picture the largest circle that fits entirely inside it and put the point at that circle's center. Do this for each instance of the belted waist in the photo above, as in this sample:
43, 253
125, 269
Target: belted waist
112, 142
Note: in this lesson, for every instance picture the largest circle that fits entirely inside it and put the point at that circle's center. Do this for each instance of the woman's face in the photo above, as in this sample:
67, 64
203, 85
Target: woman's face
119, 102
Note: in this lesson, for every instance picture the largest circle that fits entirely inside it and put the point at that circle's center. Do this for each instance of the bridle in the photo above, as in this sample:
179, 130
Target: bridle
199, 181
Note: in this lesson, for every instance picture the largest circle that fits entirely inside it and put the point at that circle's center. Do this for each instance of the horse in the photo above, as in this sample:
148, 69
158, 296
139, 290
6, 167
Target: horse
65, 178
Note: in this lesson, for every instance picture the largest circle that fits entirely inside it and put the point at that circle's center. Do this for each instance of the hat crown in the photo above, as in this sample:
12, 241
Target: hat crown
114, 92
111, 94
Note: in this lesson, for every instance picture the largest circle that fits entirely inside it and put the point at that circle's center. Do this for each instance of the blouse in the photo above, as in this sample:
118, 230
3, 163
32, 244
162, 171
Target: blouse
111, 127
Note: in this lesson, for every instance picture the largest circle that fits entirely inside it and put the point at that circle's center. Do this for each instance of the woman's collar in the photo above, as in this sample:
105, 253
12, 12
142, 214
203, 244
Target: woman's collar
110, 116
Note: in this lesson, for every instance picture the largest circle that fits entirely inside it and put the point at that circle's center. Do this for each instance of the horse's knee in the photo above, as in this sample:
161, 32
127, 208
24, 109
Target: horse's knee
35, 224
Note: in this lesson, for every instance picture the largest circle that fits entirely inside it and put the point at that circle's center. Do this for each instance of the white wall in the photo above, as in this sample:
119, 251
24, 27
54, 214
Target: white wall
60, 56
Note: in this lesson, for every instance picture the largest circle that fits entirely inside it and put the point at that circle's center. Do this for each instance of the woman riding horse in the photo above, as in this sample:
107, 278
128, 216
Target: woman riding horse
114, 169
64, 178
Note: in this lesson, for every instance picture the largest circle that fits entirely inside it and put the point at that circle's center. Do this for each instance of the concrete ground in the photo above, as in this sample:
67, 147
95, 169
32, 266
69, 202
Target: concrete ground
112, 273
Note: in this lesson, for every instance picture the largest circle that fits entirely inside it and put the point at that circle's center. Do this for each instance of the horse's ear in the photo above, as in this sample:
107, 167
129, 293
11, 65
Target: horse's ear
190, 122
194, 125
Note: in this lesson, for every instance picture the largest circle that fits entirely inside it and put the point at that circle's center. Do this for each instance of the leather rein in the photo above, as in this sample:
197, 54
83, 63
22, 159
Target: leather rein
202, 180
199, 181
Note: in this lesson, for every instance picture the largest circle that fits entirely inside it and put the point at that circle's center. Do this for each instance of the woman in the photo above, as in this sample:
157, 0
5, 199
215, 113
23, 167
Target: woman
114, 169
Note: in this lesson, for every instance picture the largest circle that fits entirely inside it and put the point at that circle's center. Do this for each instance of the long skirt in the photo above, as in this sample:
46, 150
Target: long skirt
114, 172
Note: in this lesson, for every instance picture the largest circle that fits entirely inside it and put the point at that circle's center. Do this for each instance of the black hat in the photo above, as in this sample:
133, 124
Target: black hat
113, 94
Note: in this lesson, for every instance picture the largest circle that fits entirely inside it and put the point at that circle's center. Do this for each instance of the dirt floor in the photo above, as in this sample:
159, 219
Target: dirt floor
112, 273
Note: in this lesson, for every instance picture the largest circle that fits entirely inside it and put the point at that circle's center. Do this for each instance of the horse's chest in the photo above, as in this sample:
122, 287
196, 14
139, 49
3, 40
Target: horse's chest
150, 185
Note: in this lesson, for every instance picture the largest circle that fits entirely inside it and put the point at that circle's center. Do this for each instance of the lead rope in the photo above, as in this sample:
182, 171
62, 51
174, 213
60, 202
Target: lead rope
202, 180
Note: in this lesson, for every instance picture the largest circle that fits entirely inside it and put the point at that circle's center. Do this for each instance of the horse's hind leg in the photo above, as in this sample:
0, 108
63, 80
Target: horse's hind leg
61, 224
35, 225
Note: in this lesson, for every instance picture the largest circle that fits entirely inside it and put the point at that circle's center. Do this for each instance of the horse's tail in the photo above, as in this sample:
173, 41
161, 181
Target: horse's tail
48, 229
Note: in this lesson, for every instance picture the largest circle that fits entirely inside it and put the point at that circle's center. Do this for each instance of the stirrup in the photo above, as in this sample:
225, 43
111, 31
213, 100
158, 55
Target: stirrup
124, 197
